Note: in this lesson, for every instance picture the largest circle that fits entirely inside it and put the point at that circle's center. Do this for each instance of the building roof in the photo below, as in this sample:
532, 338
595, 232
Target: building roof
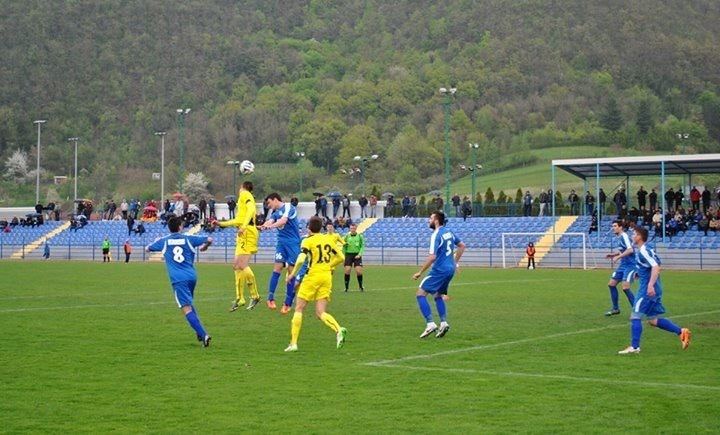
641, 165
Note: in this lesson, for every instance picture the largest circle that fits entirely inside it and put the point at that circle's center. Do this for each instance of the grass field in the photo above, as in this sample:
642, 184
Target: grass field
100, 348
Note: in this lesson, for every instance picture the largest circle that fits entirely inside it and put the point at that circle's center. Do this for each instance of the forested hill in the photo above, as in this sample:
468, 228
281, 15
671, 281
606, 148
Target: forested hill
336, 79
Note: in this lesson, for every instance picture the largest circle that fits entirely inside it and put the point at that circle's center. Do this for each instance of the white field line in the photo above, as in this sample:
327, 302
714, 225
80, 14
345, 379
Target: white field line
410, 287
556, 377
395, 361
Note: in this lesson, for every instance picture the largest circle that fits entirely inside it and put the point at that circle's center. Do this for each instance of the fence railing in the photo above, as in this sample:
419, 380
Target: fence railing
382, 253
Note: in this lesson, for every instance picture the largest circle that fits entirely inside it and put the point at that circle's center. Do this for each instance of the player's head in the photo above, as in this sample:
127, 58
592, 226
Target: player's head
330, 228
247, 185
315, 224
641, 235
353, 228
437, 219
617, 226
274, 201
175, 224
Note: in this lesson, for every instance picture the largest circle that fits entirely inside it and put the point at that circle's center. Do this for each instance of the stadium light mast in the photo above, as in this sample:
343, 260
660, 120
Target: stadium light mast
235, 164
473, 169
162, 163
182, 113
300, 155
363, 160
39, 123
75, 140
447, 101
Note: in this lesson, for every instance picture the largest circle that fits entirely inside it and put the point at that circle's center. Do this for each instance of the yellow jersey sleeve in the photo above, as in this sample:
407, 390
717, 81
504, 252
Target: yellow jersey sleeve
245, 215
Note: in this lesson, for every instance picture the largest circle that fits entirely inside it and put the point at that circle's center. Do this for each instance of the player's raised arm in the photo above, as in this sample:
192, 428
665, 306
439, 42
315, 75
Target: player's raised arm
155, 246
206, 245
338, 258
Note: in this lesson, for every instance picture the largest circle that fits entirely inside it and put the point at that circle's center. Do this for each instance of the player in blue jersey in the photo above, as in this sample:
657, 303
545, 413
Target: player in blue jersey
445, 252
649, 297
287, 249
625, 269
179, 253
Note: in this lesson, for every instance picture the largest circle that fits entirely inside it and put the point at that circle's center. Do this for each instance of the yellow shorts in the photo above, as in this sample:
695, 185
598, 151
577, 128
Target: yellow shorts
313, 288
247, 242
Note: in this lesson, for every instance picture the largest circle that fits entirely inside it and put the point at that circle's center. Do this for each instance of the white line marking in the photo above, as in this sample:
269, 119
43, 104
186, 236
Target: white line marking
521, 341
547, 376
78, 307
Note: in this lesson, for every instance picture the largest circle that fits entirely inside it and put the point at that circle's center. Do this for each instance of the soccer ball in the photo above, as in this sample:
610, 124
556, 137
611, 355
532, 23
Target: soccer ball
531, 267
247, 167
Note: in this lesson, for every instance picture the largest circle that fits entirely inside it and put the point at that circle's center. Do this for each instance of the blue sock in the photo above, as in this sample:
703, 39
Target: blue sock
630, 296
668, 326
425, 308
273, 285
614, 296
440, 305
194, 322
290, 292
635, 332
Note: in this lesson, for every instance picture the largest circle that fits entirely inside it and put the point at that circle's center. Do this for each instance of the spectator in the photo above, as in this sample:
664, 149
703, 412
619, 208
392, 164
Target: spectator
38, 208
589, 203
593, 223
318, 207
140, 229
406, 206
413, 206
294, 201
657, 220
695, 198
127, 248
363, 203
527, 203
14, 222
602, 198
341, 222
439, 203
166, 206
467, 208
456, 205
336, 206
678, 198
705, 199
653, 199
7, 229
670, 198
73, 224
346, 206
530, 252
574, 201
46, 250
82, 221
134, 207
323, 206
231, 207
642, 198
202, 205
373, 206
124, 209
130, 223
211, 207
106, 210
620, 201
111, 209
543, 203
391, 201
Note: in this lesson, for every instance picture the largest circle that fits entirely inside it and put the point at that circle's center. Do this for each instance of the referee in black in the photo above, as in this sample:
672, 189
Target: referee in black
353, 250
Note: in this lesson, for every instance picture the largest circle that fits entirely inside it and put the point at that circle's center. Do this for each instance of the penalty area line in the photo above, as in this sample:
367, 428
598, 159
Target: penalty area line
549, 376
395, 361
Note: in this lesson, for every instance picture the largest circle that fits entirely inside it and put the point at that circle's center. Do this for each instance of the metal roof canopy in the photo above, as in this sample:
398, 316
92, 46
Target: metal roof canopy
641, 165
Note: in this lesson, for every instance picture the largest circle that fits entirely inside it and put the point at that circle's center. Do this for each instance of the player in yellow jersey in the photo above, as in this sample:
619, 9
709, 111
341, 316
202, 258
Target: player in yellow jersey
330, 231
322, 255
246, 245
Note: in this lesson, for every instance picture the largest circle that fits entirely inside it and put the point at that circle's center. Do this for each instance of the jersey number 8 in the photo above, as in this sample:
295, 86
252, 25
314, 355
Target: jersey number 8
178, 254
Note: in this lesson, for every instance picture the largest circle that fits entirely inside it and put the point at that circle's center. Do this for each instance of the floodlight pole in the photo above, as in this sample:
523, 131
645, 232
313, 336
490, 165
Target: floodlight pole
75, 140
447, 101
182, 113
301, 156
235, 164
597, 199
162, 163
474, 148
39, 122
662, 188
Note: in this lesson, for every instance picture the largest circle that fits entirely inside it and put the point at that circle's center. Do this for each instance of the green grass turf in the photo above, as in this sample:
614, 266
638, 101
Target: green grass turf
98, 348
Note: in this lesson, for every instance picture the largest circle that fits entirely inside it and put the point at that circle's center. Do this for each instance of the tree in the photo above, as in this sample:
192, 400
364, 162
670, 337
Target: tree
489, 196
612, 119
195, 185
360, 140
710, 104
16, 167
321, 140
519, 196
644, 119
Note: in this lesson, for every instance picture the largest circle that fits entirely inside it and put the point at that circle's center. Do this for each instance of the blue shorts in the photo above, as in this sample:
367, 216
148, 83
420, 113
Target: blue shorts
286, 253
436, 282
624, 273
184, 291
646, 306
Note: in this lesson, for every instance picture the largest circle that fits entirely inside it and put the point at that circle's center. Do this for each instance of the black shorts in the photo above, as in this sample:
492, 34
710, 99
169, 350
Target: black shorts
353, 260
106, 251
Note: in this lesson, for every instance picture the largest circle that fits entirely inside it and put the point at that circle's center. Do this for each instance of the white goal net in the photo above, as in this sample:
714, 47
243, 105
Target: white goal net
566, 250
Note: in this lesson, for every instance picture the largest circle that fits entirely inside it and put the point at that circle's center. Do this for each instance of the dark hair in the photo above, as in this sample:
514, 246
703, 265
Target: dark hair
619, 222
175, 224
440, 216
273, 195
642, 232
315, 224
247, 185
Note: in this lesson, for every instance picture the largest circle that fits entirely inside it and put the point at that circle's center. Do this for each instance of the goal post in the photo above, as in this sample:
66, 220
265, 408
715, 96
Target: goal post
546, 247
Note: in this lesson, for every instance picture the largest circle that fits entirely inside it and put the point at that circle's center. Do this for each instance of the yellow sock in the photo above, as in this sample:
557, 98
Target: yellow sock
251, 283
240, 286
295, 329
329, 320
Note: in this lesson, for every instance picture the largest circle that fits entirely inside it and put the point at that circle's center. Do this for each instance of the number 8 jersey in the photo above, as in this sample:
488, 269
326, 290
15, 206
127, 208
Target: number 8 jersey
321, 252
179, 253
442, 244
